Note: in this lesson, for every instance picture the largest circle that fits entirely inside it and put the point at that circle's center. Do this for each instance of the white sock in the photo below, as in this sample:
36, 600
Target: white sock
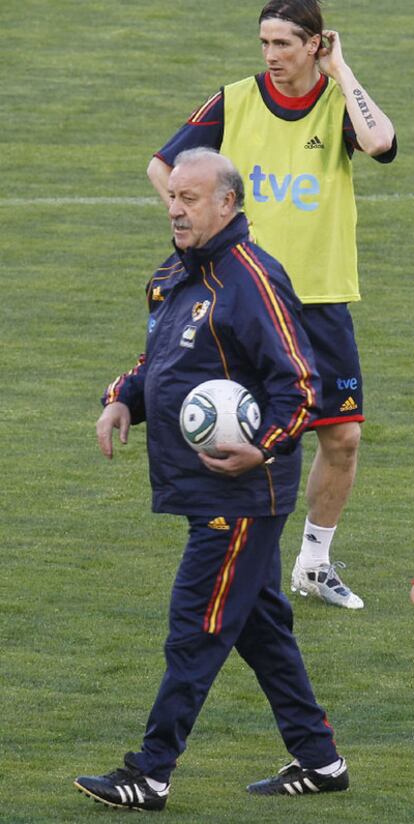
331, 768
158, 786
316, 543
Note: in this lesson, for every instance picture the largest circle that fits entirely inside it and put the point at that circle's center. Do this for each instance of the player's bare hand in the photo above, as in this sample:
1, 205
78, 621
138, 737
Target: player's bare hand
115, 416
330, 55
237, 459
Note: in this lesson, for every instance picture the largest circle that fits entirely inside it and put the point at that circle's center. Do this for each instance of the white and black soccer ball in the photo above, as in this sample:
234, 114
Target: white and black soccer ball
218, 411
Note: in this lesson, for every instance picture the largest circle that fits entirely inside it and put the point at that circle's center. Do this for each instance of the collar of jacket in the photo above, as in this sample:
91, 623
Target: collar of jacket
235, 232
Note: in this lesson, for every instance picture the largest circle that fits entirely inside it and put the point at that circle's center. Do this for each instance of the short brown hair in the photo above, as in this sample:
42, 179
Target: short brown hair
305, 14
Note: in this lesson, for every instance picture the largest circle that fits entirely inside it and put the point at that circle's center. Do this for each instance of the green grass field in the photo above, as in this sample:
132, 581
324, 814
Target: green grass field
90, 89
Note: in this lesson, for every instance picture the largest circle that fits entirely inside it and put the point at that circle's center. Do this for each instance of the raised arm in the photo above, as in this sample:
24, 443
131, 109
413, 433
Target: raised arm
204, 127
373, 129
158, 173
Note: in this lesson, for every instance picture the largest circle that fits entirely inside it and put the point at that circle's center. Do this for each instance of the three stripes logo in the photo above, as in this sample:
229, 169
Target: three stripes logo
133, 796
298, 781
218, 523
305, 785
314, 143
127, 796
349, 405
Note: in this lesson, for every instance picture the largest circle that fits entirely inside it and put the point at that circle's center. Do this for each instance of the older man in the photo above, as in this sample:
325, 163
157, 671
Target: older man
220, 307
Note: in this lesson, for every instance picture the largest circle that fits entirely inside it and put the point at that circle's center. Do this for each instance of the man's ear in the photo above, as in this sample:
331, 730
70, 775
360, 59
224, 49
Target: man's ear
314, 44
228, 202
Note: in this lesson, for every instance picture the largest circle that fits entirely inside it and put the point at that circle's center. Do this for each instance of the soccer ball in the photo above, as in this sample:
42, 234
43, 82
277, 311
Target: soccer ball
219, 411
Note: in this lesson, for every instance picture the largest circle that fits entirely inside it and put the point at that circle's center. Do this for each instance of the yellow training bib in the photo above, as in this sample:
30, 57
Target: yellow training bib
299, 192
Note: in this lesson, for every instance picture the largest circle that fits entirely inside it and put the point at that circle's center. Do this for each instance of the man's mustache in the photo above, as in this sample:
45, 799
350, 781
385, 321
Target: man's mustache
180, 224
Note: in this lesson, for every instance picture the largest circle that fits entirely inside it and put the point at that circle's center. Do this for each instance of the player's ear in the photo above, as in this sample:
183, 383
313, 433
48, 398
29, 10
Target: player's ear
314, 44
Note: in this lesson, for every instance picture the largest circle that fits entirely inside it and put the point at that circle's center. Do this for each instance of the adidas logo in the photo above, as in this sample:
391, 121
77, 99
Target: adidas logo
314, 143
218, 523
312, 538
349, 405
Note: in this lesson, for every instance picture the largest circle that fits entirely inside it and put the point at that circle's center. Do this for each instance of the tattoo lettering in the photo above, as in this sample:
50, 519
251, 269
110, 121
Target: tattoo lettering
366, 114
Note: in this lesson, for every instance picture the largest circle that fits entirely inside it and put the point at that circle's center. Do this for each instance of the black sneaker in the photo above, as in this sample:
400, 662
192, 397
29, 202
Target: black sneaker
125, 788
295, 780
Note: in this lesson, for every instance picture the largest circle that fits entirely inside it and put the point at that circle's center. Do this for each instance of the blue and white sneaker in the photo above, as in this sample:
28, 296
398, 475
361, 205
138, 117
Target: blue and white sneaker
325, 583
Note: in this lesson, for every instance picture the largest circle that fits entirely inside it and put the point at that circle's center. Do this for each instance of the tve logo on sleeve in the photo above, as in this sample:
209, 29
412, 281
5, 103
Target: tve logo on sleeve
297, 188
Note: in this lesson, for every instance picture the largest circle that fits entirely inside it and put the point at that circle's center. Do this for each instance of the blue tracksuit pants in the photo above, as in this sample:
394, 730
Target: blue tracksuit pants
227, 594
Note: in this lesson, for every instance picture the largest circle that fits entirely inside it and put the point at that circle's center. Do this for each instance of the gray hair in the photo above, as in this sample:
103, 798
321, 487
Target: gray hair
228, 178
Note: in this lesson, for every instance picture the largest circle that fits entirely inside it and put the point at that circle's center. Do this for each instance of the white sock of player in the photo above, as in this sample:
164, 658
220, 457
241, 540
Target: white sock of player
158, 786
331, 768
316, 543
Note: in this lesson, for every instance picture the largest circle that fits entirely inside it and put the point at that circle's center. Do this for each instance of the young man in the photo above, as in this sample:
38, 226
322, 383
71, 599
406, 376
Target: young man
291, 131
220, 307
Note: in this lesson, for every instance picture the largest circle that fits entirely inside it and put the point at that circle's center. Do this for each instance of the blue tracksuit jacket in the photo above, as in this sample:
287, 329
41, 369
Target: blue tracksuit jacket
226, 310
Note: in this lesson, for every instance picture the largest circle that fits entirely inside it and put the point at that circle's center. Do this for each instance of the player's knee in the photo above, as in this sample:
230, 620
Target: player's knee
350, 436
341, 441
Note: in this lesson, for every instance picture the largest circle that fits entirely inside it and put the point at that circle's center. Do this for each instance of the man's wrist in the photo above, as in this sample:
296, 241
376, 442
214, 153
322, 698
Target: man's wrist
268, 456
344, 77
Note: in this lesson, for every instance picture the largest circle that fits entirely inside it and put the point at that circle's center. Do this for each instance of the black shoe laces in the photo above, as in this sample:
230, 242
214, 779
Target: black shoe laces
121, 774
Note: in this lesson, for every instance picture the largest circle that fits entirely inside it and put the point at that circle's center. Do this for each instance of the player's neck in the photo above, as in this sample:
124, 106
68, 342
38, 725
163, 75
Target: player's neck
299, 87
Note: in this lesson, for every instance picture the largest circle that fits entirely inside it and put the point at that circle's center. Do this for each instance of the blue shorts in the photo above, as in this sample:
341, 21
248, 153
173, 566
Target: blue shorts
331, 332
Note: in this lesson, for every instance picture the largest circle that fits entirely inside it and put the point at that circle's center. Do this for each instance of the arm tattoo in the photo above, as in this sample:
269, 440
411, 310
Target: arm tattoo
366, 114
